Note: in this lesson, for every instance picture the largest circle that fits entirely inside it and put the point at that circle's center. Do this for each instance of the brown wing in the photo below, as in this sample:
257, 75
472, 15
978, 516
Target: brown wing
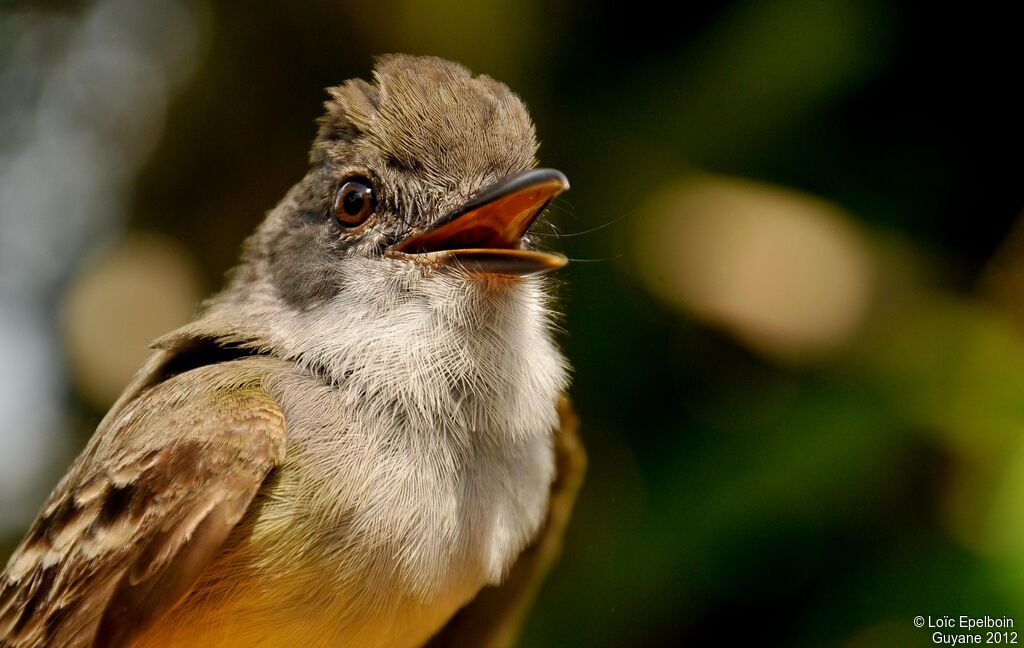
143, 510
493, 618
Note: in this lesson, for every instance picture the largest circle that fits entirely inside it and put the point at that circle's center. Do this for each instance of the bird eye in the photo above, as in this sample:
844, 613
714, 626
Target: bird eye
354, 202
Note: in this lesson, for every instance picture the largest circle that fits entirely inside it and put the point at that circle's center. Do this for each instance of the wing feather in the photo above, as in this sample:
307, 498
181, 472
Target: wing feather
144, 509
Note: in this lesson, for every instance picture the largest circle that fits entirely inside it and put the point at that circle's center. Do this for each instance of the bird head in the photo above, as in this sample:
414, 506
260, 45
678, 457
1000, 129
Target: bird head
425, 172
404, 251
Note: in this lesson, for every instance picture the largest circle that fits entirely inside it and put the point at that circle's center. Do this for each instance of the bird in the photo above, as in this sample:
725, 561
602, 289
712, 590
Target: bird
363, 439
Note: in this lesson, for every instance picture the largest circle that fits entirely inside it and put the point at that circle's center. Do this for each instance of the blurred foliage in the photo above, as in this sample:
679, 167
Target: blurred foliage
737, 491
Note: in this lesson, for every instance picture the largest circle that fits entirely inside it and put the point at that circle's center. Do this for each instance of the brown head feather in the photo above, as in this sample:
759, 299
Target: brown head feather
428, 114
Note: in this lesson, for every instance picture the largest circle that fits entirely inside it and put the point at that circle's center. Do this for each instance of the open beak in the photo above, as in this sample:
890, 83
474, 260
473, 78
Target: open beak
486, 233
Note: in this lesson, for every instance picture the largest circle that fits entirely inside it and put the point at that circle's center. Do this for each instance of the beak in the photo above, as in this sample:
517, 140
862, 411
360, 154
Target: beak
486, 234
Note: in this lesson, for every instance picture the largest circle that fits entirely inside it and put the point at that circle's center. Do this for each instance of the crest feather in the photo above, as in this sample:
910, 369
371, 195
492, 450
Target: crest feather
428, 113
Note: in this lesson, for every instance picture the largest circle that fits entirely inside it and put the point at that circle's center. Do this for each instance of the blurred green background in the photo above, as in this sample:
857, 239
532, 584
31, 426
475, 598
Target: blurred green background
796, 319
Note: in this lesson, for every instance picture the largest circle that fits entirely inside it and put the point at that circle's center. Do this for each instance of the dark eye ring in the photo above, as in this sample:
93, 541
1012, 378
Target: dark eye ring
354, 202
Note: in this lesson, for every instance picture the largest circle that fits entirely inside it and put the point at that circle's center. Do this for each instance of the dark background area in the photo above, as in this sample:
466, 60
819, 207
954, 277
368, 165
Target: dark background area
834, 450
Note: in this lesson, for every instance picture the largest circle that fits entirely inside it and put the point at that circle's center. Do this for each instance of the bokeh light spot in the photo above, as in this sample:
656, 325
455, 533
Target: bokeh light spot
141, 289
786, 273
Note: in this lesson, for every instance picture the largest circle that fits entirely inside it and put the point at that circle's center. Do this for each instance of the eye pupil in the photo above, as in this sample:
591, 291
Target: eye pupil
354, 202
